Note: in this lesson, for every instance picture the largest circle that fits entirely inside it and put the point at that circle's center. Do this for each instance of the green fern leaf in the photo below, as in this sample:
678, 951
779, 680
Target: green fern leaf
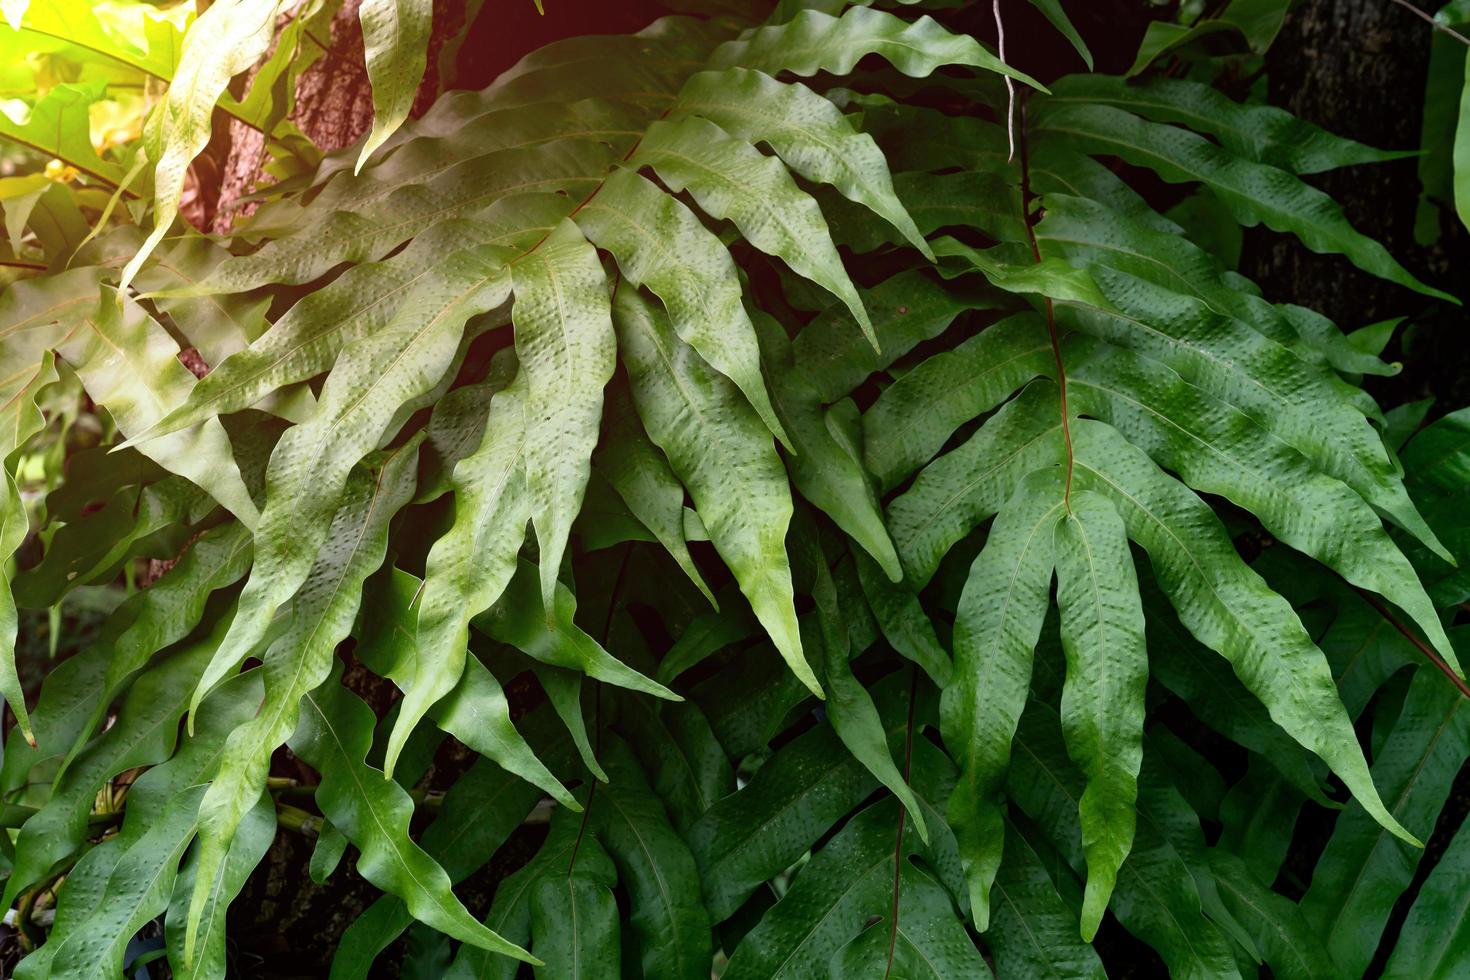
654, 864
1261, 133
741, 493
1032, 931
373, 813
1102, 701
131, 879
1254, 193
567, 349
469, 567
1362, 868
395, 41
643, 478
299, 661
380, 379
659, 243
1426, 948
224, 41
913, 418
813, 42
731, 179
1227, 607
809, 133
997, 624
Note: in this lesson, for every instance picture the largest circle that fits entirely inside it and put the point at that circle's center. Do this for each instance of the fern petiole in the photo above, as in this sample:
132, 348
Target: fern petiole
1424, 648
1051, 316
908, 764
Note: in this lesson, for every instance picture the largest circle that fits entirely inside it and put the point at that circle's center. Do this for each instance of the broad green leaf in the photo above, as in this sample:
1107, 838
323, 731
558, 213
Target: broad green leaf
997, 624
145, 733
129, 365
913, 418
668, 916
299, 660
1254, 22
813, 41
567, 349
1254, 193
825, 462
422, 159
1205, 682
733, 180
659, 243
307, 339
1102, 700
395, 41
1155, 897
1032, 930
469, 567
225, 40
1261, 133
476, 711
1227, 606
1052, 11
644, 480
753, 835
373, 812
252, 839
1261, 378
1362, 870
906, 309
592, 949
564, 690
903, 621
959, 490
685, 764
168, 611
1461, 155
499, 185
811, 135
56, 125
130, 880
1289, 945
20, 420
1217, 449
479, 812
379, 381
724, 456
557, 640
850, 708
921, 939
851, 879
1085, 232
1426, 948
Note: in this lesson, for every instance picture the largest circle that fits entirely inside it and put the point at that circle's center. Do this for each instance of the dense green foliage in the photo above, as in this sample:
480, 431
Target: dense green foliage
796, 449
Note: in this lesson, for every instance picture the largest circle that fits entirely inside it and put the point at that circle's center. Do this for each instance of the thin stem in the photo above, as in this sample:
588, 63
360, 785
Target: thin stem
1429, 652
1051, 316
1432, 22
1000, 44
908, 763
612, 606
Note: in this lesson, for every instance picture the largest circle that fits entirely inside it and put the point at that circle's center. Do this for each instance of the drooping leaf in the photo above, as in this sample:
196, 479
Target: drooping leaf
395, 41
743, 499
1102, 700
566, 347
374, 812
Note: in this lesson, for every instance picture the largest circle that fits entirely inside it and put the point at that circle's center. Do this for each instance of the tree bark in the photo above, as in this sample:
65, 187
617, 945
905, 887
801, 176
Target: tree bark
334, 105
1358, 69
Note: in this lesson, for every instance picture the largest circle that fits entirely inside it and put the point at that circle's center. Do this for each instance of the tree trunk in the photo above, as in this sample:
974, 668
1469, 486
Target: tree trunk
1358, 68
334, 105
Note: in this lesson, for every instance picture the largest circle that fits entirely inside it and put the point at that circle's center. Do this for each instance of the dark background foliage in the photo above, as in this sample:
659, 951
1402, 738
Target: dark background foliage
1355, 67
